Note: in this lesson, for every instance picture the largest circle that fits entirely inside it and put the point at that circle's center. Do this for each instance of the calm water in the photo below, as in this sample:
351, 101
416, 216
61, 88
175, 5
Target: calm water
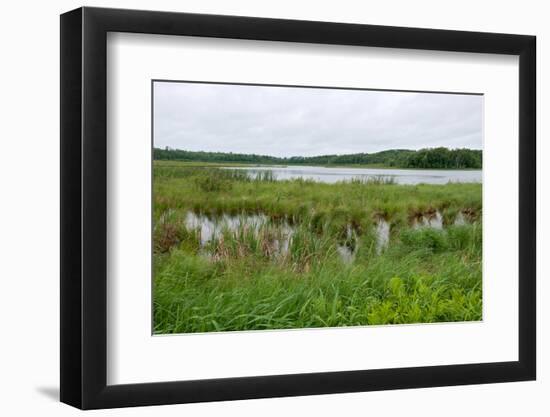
211, 229
400, 176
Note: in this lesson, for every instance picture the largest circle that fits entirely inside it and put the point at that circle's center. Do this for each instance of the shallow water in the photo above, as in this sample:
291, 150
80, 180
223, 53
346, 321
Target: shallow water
211, 229
382, 235
460, 220
435, 221
347, 254
333, 175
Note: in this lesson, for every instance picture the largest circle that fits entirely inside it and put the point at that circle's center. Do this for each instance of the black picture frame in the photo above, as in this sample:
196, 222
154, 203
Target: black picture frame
84, 207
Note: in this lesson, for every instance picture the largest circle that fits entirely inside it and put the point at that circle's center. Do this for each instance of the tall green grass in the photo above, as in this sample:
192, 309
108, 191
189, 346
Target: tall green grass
240, 281
216, 191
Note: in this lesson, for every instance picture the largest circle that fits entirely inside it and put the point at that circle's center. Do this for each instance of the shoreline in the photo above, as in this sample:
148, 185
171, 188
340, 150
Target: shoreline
165, 162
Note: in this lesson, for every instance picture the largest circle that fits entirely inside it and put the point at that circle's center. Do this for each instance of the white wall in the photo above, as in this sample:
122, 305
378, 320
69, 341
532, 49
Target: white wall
29, 237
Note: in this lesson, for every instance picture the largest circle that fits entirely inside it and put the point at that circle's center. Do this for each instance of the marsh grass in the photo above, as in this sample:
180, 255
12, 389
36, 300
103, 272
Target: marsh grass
244, 279
377, 180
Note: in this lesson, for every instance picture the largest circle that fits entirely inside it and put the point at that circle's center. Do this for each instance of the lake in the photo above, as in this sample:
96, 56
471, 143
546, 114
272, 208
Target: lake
400, 176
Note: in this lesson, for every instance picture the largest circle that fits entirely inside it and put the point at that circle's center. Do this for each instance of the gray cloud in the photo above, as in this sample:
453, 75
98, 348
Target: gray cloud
285, 121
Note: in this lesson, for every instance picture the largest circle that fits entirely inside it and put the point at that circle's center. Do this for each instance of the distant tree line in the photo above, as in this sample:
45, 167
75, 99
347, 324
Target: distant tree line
399, 158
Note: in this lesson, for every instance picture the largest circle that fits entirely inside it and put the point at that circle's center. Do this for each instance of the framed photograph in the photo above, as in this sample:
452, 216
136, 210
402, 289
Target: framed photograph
257, 208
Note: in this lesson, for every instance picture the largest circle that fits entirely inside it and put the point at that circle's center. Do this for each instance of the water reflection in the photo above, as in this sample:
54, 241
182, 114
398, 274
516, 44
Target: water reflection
382, 235
212, 228
280, 234
434, 220
333, 175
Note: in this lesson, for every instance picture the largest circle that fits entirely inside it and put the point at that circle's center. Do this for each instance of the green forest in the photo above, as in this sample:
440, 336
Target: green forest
436, 158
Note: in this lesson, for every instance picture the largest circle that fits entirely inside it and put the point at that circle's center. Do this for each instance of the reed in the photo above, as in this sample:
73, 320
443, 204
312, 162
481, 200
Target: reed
287, 272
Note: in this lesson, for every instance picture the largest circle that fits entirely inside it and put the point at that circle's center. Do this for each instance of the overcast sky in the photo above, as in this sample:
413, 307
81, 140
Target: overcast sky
283, 121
